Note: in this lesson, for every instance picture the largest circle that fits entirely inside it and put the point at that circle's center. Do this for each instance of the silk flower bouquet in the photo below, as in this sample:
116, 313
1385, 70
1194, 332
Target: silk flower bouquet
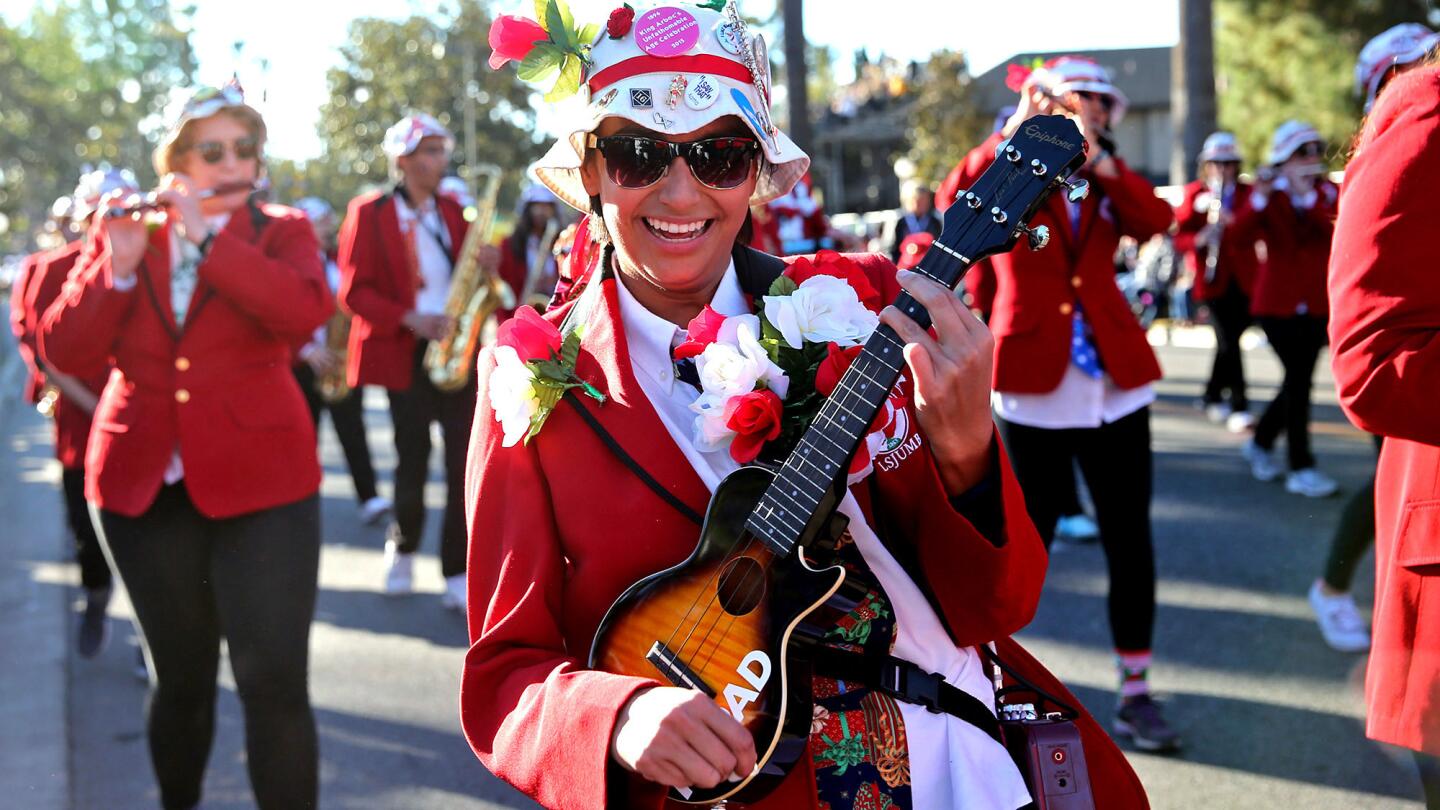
763, 376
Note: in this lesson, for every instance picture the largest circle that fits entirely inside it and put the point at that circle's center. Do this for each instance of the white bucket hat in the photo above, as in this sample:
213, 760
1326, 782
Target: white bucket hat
1399, 45
1078, 74
1220, 147
672, 68
407, 133
1289, 137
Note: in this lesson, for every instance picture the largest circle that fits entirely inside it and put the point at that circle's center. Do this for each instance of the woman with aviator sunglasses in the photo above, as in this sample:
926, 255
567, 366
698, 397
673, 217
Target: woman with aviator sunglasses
667, 161
202, 474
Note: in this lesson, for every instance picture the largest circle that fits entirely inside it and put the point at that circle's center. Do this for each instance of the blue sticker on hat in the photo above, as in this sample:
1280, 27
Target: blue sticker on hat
749, 110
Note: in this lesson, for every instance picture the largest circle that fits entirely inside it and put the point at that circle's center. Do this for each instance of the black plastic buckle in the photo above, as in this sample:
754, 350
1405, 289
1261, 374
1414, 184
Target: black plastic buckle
912, 684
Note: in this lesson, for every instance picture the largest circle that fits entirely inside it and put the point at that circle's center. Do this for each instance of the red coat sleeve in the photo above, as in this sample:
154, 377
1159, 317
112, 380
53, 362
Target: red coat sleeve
78, 331
362, 266
1384, 292
1188, 221
25, 332
285, 292
1139, 213
531, 711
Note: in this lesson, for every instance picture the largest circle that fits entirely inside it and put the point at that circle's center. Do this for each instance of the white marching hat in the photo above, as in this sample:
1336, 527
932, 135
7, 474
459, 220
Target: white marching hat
1079, 74
1289, 137
407, 133
670, 68
1220, 147
1399, 45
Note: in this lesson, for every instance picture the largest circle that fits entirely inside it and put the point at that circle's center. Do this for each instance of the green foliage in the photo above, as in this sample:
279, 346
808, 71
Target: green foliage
391, 69
1282, 59
80, 80
946, 120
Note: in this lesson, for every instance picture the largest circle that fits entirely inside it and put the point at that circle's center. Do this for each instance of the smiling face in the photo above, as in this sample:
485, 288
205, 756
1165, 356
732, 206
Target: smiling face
225, 130
675, 236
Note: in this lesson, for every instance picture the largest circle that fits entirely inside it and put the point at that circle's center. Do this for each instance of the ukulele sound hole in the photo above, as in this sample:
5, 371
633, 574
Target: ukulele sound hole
742, 586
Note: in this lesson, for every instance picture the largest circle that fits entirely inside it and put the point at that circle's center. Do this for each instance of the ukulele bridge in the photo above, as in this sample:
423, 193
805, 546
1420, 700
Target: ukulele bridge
675, 670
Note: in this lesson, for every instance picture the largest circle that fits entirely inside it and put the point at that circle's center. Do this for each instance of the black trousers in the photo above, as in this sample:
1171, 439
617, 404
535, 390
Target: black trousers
1116, 461
1229, 317
1354, 534
1297, 342
412, 411
348, 418
94, 570
251, 580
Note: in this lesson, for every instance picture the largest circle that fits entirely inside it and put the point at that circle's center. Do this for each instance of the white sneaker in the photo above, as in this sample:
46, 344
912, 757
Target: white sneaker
454, 596
1262, 461
1340, 621
374, 509
1217, 412
1076, 527
1240, 422
399, 570
1311, 483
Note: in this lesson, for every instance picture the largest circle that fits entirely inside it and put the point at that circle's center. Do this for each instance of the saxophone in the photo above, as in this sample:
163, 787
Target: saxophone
475, 296
334, 386
540, 299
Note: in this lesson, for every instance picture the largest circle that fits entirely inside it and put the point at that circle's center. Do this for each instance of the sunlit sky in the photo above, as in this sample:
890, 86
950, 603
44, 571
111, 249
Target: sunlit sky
300, 40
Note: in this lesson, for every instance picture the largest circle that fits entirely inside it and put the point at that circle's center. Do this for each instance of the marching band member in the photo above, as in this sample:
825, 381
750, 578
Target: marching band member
1073, 368
1215, 214
1386, 330
563, 523
1296, 219
315, 361
75, 405
201, 467
536, 210
397, 251
917, 215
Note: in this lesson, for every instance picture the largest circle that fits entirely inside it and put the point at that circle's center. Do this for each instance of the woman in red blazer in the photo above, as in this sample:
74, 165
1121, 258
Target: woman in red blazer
201, 468
1385, 325
537, 209
1296, 220
605, 494
1073, 368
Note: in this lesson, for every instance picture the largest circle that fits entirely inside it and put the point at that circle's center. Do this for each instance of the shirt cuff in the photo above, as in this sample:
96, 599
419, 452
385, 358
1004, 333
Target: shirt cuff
983, 505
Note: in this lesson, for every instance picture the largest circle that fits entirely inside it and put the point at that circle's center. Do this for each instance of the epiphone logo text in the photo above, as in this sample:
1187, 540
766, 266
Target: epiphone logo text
1035, 132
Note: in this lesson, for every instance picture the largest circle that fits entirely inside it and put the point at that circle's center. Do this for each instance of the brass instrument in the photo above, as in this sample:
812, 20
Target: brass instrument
49, 399
475, 296
334, 386
540, 299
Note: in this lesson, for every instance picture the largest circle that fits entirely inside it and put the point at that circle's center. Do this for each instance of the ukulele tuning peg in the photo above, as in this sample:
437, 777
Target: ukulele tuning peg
1037, 237
1079, 190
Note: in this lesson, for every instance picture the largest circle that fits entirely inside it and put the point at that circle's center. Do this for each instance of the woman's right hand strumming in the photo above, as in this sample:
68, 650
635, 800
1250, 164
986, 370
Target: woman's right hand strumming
681, 738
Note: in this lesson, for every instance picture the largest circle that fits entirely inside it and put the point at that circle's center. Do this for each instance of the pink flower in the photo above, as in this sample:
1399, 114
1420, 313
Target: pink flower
512, 38
531, 336
620, 21
830, 263
702, 330
755, 418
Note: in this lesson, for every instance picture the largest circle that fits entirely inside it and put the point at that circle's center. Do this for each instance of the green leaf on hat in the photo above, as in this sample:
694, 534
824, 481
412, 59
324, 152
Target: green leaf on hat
569, 82
541, 63
588, 34
540, 6
714, 5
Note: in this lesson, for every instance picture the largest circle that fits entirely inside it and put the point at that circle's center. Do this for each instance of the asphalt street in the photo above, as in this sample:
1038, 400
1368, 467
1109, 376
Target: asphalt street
1272, 717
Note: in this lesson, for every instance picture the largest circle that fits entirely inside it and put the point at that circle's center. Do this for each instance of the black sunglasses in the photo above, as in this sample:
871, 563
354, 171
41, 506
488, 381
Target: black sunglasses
634, 161
213, 152
1105, 101
1310, 149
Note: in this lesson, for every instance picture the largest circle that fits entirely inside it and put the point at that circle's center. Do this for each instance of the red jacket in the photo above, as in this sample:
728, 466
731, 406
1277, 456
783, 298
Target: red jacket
220, 389
72, 422
1385, 328
23, 329
1297, 245
1036, 292
546, 520
1237, 263
377, 285
513, 271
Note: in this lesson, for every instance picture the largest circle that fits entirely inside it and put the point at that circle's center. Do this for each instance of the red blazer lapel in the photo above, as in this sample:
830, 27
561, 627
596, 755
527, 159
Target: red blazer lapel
627, 413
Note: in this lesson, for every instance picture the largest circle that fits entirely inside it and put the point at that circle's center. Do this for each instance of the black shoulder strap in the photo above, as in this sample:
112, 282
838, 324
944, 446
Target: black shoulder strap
633, 465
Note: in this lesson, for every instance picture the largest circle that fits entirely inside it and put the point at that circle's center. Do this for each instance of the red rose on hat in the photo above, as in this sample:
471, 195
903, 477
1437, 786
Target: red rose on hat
755, 418
531, 336
620, 21
512, 38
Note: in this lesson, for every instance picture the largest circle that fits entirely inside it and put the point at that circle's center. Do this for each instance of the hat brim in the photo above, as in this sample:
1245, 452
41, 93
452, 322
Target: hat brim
1121, 102
785, 163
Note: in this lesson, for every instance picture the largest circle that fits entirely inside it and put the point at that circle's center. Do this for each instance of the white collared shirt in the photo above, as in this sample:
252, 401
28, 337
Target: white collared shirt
953, 764
1080, 401
430, 231
175, 470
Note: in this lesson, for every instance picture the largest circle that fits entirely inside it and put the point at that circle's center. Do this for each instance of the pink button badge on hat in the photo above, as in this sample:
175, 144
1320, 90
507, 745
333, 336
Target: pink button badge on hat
667, 31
